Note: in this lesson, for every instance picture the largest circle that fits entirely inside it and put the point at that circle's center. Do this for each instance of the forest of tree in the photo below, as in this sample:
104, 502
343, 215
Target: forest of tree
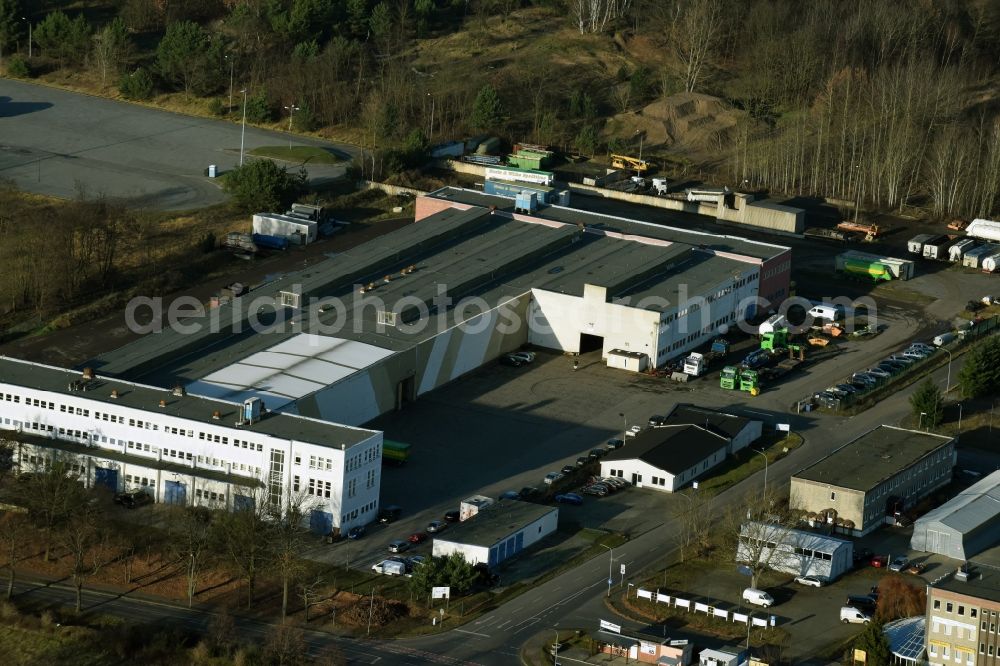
888, 102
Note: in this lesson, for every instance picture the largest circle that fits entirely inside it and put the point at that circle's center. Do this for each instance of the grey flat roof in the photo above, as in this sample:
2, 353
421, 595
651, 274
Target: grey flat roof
472, 253
190, 407
867, 461
495, 523
772, 205
674, 448
694, 237
983, 582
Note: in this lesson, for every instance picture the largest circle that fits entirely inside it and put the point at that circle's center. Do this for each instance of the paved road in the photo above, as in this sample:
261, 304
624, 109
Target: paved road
52, 141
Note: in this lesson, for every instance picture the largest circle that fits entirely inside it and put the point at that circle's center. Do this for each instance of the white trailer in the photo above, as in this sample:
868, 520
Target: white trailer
991, 263
901, 269
973, 257
936, 248
296, 230
706, 194
985, 229
916, 244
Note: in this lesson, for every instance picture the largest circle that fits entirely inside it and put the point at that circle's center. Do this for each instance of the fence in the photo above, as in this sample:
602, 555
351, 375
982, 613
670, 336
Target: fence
691, 606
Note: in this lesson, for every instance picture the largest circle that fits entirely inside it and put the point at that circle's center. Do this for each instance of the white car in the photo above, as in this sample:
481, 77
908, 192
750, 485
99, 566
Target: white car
552, 477
852, 615
922, 346
633, 431
811, 581
528, 356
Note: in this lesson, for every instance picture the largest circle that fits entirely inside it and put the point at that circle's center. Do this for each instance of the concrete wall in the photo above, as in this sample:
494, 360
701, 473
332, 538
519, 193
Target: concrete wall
557, 321
461, 167
391, 190
821, 497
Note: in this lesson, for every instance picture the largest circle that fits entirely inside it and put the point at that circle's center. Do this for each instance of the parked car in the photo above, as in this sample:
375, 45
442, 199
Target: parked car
595, 454
880, 561
899, 564
597, 491
757, 597
917, 354
415, 560
528, 492
657, 420
510, 495
615, 444
390, 567
526, 356
916, 568
851, 615
865, 378
389, 514
417, 537
922, 346
552, 477
864, 603
569, 498
633, 431
905, 360
452, 516
568, 469
436, 526
512, 360
398, 546
809, 581
847, 388
617, 482
133, 499
879, 372
356, 532
583, 460
863, 556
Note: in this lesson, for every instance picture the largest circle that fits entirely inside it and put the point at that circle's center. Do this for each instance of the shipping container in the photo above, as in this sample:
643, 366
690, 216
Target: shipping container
294, 229
916, 244
271, 242
934, 248
901, 269
973, 257
520, 175
706, 194
504, 188
958, 249
395, 452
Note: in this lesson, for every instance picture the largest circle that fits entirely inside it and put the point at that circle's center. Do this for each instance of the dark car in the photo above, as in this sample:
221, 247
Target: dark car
133, 499
863, 603
510, 495
356, 532
615, 444
657, 420
453, 516
597, 453
569, 498
568, 469
389, 514
863, 556
528, 492
582, 460
512, 360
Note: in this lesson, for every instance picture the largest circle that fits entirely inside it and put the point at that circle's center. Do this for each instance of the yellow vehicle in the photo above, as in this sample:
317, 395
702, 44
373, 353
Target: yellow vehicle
626, 162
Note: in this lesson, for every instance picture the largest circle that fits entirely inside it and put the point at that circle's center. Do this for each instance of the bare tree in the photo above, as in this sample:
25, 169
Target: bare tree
696, 33
760, 528
13, 528
694, 522
191, 541
310, 593
86, 540
51, 494
244, 535
288, 538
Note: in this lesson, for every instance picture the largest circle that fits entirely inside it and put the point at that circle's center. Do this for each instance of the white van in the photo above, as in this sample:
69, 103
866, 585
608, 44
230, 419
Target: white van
752, 595
828, 312
852, 615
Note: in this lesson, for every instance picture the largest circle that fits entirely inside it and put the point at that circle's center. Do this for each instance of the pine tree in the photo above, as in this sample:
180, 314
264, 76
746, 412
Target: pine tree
876, 646
487, 110
981, 373
927, 400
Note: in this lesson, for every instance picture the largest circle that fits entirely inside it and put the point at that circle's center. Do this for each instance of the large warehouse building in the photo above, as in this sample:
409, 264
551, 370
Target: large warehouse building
861, 485
394, 318
964, 526
185, 449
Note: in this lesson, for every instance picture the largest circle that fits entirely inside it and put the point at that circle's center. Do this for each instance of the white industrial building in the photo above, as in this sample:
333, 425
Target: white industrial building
964, 526
794, 551
397, 317
691, 441
497, 533
186, 449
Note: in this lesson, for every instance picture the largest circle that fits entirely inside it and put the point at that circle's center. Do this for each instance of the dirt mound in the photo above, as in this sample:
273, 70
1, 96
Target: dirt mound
685, 121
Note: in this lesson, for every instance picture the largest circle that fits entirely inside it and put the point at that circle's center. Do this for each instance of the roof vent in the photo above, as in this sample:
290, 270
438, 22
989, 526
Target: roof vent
114, 394
88, 374
179, 391
216, 415
163, 403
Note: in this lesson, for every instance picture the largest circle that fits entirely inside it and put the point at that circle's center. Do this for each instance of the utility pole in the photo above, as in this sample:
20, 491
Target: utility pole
232, 62
243, 130
371, 611
29, 35
291, 113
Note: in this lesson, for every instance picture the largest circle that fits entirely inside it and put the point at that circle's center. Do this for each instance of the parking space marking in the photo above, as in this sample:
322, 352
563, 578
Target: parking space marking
473, 633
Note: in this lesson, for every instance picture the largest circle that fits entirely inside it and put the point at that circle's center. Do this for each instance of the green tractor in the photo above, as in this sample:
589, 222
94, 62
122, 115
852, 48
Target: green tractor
728, 377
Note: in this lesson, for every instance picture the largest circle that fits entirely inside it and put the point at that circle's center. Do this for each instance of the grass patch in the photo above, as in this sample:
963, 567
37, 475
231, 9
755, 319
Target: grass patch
748, 462
298, 154
37, 646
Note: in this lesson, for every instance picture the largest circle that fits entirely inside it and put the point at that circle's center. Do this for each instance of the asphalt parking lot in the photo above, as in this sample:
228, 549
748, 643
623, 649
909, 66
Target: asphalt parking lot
56, 141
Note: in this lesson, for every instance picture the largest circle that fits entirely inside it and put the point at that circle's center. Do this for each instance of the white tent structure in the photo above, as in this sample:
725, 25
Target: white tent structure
964, 526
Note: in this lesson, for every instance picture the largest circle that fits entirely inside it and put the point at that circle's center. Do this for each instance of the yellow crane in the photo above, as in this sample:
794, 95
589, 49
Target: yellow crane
626, 162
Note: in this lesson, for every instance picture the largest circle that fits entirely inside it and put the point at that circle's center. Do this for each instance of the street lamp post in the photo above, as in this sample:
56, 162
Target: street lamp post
291, 113
947, 382
624, 427
29, 35
920, 421
758, 451
959, 421
243, 129
431, 132
611, 561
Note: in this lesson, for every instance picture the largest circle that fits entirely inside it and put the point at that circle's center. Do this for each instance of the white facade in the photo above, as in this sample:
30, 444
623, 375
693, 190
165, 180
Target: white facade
295, 229
644, 475
498, 545
798, 553
189, 461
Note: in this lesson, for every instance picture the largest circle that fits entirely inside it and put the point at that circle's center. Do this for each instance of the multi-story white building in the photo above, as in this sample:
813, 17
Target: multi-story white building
186, 449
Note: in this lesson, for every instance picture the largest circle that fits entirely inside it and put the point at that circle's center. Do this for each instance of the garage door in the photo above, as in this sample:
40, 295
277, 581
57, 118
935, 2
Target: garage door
243, 502
106, 478
175, 492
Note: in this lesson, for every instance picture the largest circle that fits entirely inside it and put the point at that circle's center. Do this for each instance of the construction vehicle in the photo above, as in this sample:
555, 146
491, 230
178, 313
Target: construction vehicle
870, 231
796, 357
728, 378
626, 162
750, 382
774, 340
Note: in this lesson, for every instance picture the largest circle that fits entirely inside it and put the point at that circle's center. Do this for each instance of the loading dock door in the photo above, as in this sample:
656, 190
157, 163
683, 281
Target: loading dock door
589, 343
175, 492
106, 478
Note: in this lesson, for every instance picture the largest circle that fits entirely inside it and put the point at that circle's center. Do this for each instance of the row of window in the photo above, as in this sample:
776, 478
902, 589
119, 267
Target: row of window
659, 481
777, 270
211, 496
140, 481
361, 510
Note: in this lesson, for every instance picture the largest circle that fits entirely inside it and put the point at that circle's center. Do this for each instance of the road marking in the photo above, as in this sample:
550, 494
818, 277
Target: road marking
653, 548
463, 631
501, 626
